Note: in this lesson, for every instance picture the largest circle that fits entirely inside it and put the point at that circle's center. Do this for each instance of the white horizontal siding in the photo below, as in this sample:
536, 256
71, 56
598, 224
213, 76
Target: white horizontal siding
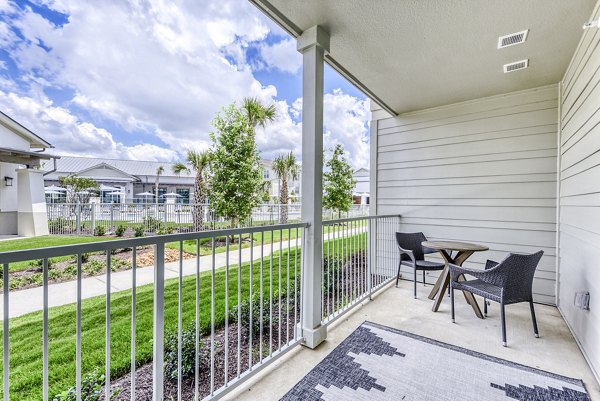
579, 228
483, 171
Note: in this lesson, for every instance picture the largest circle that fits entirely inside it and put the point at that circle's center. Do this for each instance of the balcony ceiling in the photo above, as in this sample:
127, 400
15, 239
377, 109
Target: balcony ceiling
415, 54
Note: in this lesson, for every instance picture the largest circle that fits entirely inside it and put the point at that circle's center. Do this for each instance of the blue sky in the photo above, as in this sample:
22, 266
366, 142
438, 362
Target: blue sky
143, 80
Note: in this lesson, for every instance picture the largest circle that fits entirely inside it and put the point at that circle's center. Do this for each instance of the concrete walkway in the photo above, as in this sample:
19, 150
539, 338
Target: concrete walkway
31, 300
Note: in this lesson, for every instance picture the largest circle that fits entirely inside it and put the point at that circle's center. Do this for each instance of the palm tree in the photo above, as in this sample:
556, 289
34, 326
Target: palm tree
198, 162
159, 171
257, 113
286, 168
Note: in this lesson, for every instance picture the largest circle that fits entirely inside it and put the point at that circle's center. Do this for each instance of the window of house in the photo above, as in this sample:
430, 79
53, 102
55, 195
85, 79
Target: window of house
185, 195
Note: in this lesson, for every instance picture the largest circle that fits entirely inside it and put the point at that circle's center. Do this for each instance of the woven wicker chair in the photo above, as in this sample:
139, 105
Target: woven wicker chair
412, 254
507, 282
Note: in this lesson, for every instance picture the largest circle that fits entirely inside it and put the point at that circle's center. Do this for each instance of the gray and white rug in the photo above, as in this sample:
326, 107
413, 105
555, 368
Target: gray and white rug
380, 363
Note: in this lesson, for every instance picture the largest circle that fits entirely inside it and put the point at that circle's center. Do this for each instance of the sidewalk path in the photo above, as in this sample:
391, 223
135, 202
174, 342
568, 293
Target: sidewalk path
31, 300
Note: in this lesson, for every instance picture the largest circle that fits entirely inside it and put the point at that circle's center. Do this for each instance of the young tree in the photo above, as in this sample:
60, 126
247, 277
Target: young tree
338, 182
159, 171
78, 188
236, 174
199, 162
286, 168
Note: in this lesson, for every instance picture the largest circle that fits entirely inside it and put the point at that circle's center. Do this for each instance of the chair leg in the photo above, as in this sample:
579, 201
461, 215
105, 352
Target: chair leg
423, 277
503, 320
452, 301
484, 307
535, 328
415, 283
398, 275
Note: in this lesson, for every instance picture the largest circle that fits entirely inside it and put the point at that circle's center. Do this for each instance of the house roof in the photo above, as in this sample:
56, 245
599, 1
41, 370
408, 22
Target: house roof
74, 165
35, 140
414, 54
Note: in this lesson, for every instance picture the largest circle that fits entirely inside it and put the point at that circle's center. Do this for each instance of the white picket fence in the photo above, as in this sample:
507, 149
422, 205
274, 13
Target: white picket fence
100, 218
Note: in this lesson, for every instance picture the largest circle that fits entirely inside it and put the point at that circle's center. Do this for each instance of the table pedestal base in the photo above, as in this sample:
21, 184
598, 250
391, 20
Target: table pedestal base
443, 282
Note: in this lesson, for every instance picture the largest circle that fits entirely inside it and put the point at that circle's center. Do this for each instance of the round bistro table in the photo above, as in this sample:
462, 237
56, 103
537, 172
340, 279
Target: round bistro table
464, 251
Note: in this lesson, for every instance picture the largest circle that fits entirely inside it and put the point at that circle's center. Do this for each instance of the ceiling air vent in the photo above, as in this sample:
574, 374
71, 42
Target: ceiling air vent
517, 65
512, 39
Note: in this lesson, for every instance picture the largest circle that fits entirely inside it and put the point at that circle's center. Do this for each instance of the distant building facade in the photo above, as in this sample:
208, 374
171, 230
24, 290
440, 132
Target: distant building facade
123, 181
361, 193
22, 203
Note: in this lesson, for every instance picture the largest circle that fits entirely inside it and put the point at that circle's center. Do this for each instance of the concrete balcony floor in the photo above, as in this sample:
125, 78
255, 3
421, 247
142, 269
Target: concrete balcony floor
555, 351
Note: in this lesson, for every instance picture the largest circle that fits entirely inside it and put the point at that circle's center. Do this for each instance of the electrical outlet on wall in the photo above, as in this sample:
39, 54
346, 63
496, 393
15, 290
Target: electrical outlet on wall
582, 300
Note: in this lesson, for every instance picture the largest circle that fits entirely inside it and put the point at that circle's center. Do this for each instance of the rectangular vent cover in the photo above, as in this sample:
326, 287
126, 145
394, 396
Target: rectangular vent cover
517, 65
512, 39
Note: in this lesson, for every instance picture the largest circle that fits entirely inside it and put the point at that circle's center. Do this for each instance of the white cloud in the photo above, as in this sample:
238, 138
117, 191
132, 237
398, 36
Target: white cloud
345, 120
282, 56
160, 71
156, 67
70, 135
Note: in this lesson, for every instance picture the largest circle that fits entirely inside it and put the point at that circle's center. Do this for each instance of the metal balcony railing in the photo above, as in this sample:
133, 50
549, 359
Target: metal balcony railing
233, 307
246, 314
359, 257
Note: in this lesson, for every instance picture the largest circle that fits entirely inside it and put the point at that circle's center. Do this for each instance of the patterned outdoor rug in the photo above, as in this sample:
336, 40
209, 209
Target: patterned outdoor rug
380, 363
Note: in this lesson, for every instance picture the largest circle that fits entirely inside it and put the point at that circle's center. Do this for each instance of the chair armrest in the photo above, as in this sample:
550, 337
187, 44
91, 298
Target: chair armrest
456, 271
407, 252
490, 264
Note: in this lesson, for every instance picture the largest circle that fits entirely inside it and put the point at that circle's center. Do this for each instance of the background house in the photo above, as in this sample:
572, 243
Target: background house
122, 180
22, 204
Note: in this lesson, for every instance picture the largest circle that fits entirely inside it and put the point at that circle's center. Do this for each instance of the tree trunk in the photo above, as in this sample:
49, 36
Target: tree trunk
283, 201
198, 208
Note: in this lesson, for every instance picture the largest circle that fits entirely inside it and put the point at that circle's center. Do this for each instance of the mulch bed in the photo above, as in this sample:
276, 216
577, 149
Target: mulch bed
144, 373
58, 271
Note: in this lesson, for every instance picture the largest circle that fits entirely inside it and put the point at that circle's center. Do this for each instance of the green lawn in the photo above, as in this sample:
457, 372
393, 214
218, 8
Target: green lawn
43, 242
26, 331
26, 360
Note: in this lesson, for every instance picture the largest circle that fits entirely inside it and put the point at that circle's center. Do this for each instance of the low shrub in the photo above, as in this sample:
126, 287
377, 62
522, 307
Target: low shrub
93, 266
244, 309
139, 231
332, 267
92, 388
188, 353
120, 230
99, 231
152, 223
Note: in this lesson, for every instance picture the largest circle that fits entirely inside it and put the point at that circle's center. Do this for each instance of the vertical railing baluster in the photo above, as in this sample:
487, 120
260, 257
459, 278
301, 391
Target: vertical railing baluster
287, 298
78, 333
279, 287
262, 247
226, 368
323, 264
107, 356
369, 258
158, 359
328, 260
179, 316
271, 297
133, 320
197, 324
239, 309
5, 334
251, 320
45, 329
296, 289
212, 321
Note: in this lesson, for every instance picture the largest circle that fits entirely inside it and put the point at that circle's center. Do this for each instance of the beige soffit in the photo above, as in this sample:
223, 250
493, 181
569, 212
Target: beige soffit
410, 55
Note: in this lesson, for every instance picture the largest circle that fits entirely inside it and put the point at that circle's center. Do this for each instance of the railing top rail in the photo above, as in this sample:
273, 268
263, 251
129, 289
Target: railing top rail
66, 250
335, 221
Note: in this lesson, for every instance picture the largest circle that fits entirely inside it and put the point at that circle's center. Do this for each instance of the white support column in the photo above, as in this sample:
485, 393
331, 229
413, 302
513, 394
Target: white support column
313, 44
31, 215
